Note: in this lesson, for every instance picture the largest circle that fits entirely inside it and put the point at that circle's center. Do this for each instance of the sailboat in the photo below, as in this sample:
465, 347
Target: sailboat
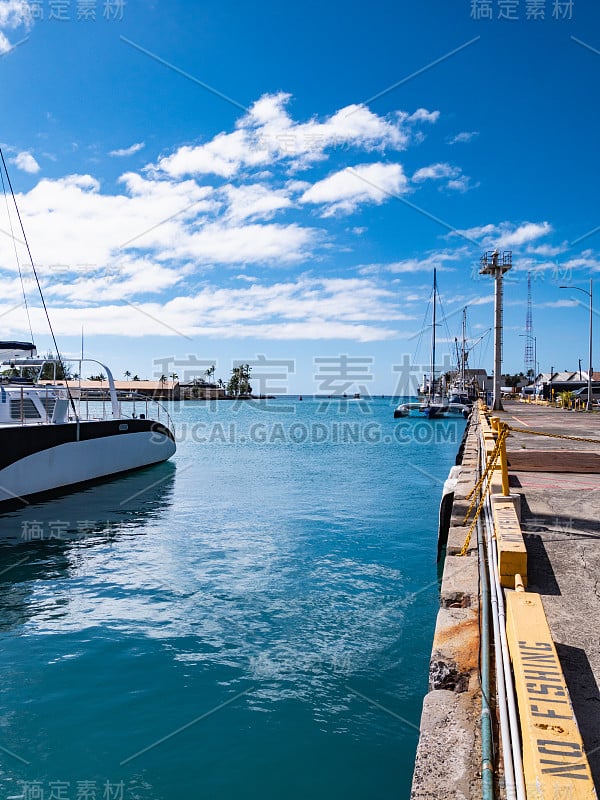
434, 403
464, 390
460, 393
47, 443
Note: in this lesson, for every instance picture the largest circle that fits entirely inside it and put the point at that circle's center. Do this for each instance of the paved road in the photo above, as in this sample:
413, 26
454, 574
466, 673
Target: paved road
561, 525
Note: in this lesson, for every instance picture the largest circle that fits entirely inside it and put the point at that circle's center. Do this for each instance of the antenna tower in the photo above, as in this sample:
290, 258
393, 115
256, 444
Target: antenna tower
529, 360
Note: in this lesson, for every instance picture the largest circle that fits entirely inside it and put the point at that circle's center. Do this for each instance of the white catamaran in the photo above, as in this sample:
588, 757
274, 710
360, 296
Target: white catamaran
47, 442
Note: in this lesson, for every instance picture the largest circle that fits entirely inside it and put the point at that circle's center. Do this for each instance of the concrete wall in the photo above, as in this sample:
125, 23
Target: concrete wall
448, 763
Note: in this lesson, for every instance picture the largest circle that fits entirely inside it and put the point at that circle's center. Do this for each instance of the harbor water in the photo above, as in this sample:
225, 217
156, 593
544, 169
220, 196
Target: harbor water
252, 619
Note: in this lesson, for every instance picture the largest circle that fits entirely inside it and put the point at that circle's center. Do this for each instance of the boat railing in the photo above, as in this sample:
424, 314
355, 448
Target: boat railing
130, 405
29, 404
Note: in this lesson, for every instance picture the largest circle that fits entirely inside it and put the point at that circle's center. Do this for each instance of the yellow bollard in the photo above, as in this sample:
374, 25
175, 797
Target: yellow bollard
503, 432
519, 587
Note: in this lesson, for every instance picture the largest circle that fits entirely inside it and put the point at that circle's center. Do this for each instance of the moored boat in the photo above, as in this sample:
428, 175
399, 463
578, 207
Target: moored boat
46, 442
49, 442
434, 404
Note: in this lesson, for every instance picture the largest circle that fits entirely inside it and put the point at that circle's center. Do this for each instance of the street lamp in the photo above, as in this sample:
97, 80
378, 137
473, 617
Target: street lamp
495, 263
589, 294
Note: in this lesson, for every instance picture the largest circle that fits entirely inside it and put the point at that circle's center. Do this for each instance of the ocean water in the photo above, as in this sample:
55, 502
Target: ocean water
250, 620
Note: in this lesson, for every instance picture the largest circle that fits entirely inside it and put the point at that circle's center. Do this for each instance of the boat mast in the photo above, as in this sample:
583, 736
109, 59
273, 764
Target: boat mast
432, 380
463, 370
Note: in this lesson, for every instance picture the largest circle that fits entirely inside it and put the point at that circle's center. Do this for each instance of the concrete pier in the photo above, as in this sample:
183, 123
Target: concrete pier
558, 480
448, 759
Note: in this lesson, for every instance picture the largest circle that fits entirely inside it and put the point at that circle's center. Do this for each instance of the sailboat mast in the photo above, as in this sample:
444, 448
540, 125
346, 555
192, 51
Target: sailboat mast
463, 369
432, 381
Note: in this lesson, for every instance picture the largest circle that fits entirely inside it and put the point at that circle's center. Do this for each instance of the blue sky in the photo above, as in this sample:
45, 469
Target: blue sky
232, 181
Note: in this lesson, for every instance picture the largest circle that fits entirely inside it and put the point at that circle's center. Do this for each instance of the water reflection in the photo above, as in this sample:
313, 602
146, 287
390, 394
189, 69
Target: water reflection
47, 541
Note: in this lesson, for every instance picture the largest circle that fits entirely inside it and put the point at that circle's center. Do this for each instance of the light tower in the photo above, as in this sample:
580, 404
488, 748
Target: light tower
529, 360
496, 264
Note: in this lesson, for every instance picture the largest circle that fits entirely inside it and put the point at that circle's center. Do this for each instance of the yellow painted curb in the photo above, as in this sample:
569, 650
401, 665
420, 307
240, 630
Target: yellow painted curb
512, 553
554, 761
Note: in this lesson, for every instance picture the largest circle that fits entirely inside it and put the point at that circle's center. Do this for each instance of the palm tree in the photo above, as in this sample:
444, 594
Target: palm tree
174, 377
245, 387
234, 382
127, 374
239, 383
162, 380
566, 399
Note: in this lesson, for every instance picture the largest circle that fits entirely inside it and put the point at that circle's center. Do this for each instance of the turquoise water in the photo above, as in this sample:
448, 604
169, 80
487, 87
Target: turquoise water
252, 619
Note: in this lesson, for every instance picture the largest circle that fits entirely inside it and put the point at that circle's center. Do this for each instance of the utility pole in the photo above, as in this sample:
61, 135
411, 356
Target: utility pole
590, 402
496, 264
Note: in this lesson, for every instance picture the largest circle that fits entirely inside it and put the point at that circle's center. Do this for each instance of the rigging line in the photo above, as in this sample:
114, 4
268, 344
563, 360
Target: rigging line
12, 236
422, 330
37, 280
425, 324
444, 319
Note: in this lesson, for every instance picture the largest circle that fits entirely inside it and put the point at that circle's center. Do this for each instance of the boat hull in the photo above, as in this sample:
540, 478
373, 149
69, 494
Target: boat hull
35, 459
433, 411
427, 410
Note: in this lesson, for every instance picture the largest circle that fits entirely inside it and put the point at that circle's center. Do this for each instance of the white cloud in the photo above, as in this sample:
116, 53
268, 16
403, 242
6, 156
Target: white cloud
423, 115
169, 222
345, 190
5, 45
527, 232
128, 151
478, 232
13, 14
547, 250
412, 265
306, 308
464, 136
230, 244
224, 156
254, 201
26, 162
559, 304
435, 172
130, 277
461, 184
268, 134
436, 258
62, 218
454, 180
157, 240
482, 301
507, 234
587, 260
